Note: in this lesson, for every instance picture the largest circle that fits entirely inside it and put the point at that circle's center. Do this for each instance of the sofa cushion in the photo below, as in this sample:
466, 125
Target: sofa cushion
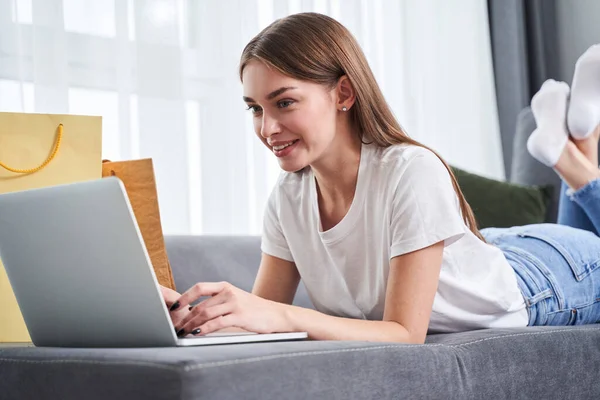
502, 204
533, 362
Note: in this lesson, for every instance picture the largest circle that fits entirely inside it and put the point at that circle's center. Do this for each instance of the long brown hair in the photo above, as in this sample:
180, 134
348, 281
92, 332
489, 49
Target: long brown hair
314, 47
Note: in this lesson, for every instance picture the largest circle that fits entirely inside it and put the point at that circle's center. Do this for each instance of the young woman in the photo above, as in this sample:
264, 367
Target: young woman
375, 224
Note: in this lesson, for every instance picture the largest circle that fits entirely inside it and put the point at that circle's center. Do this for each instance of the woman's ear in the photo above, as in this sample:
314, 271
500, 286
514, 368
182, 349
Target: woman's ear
346, 96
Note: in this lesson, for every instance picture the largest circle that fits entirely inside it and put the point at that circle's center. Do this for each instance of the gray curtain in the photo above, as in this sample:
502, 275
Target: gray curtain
525, 54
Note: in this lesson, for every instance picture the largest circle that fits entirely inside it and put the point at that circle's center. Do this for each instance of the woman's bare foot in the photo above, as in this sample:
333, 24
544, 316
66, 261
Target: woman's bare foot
589, 146
575, 168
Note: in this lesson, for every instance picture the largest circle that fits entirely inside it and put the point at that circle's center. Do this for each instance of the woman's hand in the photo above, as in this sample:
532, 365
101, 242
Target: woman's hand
228, 307
171, 297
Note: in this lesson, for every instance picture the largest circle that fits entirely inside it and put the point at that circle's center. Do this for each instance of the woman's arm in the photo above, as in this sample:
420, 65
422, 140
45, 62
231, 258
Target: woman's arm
411, 288
412, 284
277, 280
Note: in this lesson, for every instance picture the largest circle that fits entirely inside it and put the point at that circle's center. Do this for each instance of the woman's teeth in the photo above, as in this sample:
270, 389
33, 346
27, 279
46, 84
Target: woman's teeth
283, 146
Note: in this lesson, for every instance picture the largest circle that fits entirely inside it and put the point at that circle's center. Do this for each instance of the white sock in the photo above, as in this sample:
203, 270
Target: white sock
549, 107
584, 110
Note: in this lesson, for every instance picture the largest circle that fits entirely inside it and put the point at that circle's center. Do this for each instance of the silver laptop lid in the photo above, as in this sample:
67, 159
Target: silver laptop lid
79, 269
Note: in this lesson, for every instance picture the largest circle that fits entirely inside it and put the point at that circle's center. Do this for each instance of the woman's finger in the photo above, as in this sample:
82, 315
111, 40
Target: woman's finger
207, 314
178, 316
200, 289
199, 308
169, 295
219, 323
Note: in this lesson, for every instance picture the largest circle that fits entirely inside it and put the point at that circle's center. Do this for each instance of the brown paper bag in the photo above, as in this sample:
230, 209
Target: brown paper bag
36, 151
140, 184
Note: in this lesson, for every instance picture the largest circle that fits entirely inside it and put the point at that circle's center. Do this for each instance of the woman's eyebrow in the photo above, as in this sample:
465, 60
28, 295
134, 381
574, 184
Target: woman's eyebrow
271, 95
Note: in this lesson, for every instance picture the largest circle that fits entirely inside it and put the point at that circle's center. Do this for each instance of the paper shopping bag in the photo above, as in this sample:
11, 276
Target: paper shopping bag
39, 150
140, 184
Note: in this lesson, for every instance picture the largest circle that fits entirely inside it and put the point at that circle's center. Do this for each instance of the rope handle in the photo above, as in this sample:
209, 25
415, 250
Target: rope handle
59, 136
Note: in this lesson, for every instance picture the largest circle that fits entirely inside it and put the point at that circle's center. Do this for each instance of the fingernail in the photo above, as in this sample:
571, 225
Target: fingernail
196, 331
175, 306
181, 332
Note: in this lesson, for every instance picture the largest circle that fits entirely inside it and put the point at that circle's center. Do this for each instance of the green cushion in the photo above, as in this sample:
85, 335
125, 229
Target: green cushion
502, 204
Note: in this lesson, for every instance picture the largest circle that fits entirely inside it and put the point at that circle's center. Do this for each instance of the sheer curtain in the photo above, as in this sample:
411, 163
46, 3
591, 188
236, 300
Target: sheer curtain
163, 74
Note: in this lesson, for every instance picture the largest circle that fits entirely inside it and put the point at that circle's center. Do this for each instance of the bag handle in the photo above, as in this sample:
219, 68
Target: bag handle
42, 165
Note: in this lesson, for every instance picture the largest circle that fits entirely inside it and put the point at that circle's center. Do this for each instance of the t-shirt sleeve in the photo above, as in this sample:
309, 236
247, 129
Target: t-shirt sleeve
273, 240
425, 207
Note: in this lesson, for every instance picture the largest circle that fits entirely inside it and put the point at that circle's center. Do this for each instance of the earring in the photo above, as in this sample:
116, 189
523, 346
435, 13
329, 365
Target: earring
344, 109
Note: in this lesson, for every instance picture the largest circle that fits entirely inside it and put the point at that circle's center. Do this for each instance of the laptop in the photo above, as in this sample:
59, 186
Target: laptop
81, 274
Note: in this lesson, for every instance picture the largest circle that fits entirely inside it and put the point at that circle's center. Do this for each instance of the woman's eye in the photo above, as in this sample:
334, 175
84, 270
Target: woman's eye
254, 109
284, 103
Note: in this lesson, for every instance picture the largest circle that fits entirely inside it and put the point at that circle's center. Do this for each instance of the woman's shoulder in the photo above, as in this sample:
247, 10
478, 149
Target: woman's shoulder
291, 179
292, 186
399, 157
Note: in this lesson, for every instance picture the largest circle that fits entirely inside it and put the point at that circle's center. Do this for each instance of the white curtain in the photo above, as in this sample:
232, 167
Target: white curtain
163, 75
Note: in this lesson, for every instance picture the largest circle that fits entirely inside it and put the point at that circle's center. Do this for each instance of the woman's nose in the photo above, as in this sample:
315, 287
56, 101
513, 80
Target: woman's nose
270, 126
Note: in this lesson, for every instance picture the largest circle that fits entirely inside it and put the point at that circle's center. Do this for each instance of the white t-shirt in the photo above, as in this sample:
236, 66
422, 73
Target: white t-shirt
404, 201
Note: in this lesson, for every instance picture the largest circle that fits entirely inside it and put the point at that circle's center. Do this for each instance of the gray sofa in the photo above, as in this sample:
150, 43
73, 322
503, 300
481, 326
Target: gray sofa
527, 363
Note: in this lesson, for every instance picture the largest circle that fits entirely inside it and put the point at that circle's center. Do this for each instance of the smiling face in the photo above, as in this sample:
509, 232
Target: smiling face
295, 119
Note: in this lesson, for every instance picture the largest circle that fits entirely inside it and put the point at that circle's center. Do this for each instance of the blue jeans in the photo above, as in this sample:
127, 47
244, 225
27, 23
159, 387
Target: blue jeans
558, 265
